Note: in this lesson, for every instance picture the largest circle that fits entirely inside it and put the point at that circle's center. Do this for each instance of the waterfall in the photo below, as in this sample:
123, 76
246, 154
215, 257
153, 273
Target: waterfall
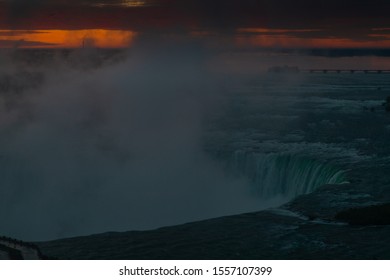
288, 175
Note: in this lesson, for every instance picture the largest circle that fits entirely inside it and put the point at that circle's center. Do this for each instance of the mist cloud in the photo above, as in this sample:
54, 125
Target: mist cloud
108, 148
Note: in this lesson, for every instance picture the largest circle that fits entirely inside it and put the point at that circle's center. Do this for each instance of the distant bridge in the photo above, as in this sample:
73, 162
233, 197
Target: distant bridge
352, 71
296, 69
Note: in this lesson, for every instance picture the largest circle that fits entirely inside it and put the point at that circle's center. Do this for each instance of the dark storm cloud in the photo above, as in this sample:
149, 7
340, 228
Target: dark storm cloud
223, 19
300, 13
23, 7
232, 12
228, 14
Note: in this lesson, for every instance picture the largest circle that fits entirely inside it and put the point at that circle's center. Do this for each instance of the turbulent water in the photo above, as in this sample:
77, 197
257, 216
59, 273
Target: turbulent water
286, 175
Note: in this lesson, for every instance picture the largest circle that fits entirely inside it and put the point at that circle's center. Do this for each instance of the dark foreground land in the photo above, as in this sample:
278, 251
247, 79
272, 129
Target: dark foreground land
320, 230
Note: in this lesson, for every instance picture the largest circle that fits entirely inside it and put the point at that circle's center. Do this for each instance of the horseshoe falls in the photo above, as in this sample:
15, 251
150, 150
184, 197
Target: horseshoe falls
286, 175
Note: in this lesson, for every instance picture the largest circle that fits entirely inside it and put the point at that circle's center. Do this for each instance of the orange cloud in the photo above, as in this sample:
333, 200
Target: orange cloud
258, 30
101, 38
288, 41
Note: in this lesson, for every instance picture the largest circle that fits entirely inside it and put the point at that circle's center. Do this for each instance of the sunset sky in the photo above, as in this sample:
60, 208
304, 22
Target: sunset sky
234, 23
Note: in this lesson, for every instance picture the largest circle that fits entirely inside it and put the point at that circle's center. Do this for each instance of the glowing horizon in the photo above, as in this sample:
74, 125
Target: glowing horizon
243, 37
124, 3
280, 40
100, 38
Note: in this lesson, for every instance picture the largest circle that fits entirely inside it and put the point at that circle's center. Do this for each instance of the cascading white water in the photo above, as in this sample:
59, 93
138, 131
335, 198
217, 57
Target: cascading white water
287, 175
